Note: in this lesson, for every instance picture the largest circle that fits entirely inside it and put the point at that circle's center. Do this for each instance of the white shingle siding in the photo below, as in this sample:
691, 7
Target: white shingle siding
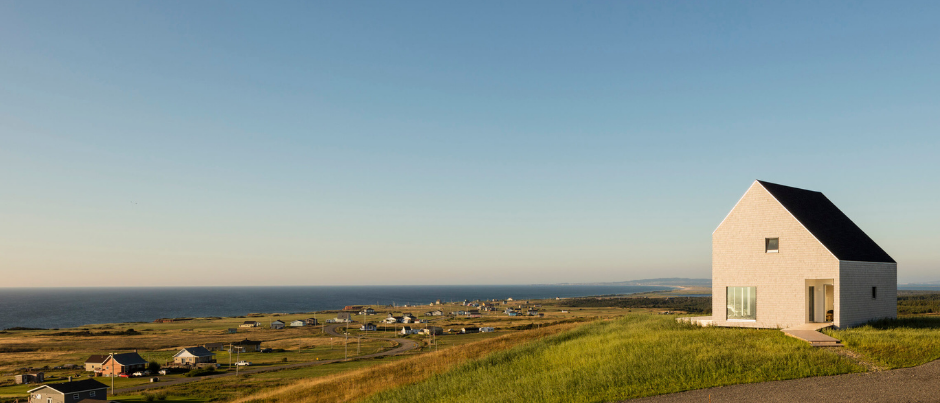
857, 305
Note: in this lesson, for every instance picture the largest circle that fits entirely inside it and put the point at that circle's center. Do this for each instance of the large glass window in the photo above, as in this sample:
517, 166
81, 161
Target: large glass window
742, 303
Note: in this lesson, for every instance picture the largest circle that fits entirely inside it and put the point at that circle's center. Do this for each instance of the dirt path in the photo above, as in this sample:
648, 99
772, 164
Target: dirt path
917, 384
404, 345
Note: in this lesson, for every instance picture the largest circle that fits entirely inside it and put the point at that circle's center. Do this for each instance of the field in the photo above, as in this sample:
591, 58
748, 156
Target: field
24, 351
905, 342
585, 349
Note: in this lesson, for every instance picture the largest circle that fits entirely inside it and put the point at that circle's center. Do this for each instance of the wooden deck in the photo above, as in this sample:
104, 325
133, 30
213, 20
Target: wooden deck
809, 332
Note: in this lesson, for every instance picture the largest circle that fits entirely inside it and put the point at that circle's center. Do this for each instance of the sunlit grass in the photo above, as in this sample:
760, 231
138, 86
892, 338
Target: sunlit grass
895, 343
638, 355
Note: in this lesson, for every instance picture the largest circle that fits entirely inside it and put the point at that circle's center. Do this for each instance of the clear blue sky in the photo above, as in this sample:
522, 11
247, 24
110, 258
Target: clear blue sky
238, 143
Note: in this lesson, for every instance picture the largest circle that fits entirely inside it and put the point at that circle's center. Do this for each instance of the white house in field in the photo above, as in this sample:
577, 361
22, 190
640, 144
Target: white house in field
785, 257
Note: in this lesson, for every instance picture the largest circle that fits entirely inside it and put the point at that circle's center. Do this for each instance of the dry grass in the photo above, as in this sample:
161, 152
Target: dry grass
364, 382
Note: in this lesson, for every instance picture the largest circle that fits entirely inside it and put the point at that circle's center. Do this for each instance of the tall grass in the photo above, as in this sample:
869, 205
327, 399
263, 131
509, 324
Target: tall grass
634, 356
895, 343
354, 385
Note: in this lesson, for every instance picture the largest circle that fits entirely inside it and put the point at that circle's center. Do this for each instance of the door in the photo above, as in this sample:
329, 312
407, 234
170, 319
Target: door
812, 304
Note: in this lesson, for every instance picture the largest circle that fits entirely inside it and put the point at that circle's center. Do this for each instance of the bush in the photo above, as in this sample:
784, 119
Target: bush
161, 396
153, 367
201, 372
149, 397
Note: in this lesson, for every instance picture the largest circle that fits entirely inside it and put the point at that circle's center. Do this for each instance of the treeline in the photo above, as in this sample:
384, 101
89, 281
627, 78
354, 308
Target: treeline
918, 304
696, 305
85, 333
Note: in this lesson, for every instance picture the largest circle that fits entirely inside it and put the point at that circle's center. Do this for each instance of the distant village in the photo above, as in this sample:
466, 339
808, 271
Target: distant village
132, 364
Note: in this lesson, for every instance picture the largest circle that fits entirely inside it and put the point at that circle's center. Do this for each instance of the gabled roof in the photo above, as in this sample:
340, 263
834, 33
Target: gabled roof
74, 386
828, 224
196, 352
129, 359
247, 342
96, 359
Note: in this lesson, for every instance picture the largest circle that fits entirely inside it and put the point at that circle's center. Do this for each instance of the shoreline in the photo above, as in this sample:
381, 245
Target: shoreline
89, 308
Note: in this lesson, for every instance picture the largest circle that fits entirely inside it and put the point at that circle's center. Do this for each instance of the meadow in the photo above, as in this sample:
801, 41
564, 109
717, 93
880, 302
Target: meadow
633, 356
894, 343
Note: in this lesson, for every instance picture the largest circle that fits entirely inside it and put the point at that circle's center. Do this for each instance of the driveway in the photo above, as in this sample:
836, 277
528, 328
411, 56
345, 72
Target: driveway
917, 384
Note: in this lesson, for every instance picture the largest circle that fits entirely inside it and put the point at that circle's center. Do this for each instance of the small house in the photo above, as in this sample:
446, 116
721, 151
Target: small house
785, 257
193, 356
214, 346
277, 325
25, 379
250, 323
231, 330
367, 311
344, 317
72, 391
432, 330
126, 363
487, 329
94, 362
368, 327
312, 322
298, 323
246, 346
470, 330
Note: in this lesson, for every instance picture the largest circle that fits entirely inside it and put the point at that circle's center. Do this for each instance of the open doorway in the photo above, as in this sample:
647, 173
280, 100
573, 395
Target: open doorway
820, 301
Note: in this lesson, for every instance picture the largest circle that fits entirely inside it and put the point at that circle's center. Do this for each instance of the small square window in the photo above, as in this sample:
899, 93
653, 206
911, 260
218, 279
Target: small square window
91, 394
771, 245
874, 293
75, 396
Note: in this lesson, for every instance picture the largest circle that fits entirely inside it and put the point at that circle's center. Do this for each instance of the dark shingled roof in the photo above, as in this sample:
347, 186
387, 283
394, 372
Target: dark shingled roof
828, 224
198, 351
77, 386
96, 359
129, 359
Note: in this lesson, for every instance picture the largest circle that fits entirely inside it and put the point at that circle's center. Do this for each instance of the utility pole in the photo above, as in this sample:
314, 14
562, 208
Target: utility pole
346, 342
230, 356
112, 374
358, 344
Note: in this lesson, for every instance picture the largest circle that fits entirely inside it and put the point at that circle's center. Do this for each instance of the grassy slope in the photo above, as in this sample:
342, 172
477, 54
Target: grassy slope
905, 342
638, 355
354, 385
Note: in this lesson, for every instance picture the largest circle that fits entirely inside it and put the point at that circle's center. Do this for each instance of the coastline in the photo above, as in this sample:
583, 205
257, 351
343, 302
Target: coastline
71, 308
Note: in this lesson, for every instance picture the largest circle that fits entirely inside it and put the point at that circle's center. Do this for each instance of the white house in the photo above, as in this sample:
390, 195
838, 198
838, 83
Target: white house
785, 257
277, 325
368, 327
298, 323
194, 355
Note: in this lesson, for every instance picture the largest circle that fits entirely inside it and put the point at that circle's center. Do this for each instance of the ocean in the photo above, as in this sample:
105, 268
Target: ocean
51, 308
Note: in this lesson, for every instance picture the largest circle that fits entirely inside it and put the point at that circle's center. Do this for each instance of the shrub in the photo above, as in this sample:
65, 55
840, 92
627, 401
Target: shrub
201, 372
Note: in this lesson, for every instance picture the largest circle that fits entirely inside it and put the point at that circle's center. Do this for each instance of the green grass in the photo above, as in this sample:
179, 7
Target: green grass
895, 343
633, 356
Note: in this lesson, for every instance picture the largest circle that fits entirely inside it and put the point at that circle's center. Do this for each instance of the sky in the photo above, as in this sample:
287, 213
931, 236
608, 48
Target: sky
369, 143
